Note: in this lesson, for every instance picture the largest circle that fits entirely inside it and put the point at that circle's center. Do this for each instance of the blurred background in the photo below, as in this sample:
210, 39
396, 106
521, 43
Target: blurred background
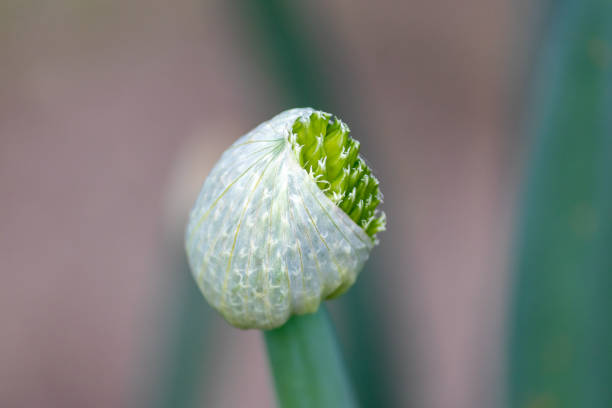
113, 112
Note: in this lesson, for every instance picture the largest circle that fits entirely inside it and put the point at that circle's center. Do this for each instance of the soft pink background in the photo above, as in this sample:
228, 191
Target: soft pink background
99, 99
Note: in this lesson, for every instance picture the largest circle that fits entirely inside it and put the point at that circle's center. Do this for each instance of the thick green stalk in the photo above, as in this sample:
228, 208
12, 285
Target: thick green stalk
306, 364
561, 335
301, 70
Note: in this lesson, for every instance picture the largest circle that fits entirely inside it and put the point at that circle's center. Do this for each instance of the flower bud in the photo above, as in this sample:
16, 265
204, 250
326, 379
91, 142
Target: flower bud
286, 219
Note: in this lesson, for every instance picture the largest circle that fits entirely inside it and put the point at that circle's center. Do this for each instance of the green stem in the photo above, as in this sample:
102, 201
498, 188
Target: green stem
281, 35
307, 364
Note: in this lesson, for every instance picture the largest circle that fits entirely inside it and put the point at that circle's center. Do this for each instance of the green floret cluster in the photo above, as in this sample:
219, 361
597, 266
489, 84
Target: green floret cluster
324, 148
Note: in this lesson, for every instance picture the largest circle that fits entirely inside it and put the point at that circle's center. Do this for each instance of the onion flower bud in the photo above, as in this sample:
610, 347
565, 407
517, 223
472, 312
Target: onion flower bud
286, 218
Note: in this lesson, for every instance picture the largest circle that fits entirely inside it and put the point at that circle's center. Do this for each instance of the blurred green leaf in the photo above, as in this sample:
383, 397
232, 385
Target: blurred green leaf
284, 49
176, 358
561, 334
364, 342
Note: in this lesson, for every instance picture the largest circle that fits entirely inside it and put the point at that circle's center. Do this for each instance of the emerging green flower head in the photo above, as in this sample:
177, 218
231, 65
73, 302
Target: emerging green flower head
286, 219
324, 148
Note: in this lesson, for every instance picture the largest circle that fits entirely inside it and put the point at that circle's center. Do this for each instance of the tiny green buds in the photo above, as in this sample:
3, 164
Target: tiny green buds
286, 219
324, 148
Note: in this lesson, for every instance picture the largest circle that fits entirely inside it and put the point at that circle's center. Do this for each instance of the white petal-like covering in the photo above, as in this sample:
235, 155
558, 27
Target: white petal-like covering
263, 241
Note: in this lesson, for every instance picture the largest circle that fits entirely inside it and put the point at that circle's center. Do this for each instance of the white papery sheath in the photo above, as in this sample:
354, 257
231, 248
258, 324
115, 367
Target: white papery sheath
263, 241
